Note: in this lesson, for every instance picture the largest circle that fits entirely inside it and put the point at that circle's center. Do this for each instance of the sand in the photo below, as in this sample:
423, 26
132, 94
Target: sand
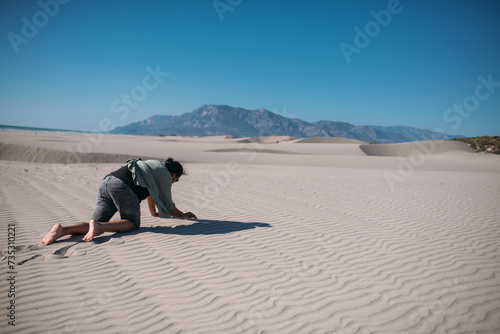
424, 147
291, 238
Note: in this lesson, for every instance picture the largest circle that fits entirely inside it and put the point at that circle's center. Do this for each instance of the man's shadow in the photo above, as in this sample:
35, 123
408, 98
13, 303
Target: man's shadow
198, 227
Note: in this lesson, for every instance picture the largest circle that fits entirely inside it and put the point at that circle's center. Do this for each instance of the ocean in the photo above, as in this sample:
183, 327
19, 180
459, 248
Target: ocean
27, 128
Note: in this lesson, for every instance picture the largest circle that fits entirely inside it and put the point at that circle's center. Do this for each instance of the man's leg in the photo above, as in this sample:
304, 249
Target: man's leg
104, 210
109, 199
90, 230
59, 231
96, 228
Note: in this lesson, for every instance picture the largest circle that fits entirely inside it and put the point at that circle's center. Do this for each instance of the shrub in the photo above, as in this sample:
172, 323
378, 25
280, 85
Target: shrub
490, 144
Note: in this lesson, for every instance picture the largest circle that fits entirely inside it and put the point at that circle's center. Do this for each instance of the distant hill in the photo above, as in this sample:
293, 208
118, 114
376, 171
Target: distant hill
216, 120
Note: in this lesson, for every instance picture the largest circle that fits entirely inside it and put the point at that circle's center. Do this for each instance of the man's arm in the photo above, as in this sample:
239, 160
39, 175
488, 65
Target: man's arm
152, 207
179, 214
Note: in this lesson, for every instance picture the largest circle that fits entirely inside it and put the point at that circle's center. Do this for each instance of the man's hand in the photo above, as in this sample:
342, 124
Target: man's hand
179, 214
189, 215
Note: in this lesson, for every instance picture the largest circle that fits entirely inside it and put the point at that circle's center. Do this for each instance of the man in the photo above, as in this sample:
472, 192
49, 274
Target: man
122, 191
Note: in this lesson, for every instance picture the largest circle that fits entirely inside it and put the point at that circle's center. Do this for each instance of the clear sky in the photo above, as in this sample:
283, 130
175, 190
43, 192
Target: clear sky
89, 65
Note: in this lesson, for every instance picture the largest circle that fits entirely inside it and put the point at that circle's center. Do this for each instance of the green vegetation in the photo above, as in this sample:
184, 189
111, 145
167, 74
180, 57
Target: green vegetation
490, 144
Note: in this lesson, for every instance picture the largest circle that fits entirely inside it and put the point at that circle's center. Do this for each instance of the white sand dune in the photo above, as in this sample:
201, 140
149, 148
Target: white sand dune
414, 148
76, 147
266, 139
250, 150
285, 243
329, 140
25, 153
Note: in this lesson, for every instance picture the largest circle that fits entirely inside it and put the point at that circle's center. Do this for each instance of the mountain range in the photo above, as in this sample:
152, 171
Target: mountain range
216, 120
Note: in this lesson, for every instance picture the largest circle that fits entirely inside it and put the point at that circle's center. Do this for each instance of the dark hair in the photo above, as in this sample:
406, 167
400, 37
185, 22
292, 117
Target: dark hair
174, 167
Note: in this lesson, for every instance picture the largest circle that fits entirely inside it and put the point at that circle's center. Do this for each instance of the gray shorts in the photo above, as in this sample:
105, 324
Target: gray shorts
115, 195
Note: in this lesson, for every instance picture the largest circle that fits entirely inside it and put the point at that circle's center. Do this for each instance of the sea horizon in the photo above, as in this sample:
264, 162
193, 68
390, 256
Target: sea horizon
4, 127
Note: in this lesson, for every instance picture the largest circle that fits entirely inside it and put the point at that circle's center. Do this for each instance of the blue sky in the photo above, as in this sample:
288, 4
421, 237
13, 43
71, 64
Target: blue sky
89, 65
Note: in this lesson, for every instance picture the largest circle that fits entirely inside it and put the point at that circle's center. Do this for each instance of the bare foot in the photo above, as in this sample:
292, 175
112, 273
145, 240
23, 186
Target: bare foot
55, 233
94, 230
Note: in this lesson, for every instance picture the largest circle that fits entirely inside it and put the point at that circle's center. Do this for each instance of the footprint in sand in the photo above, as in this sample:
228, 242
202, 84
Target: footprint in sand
21, 248
61, 253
